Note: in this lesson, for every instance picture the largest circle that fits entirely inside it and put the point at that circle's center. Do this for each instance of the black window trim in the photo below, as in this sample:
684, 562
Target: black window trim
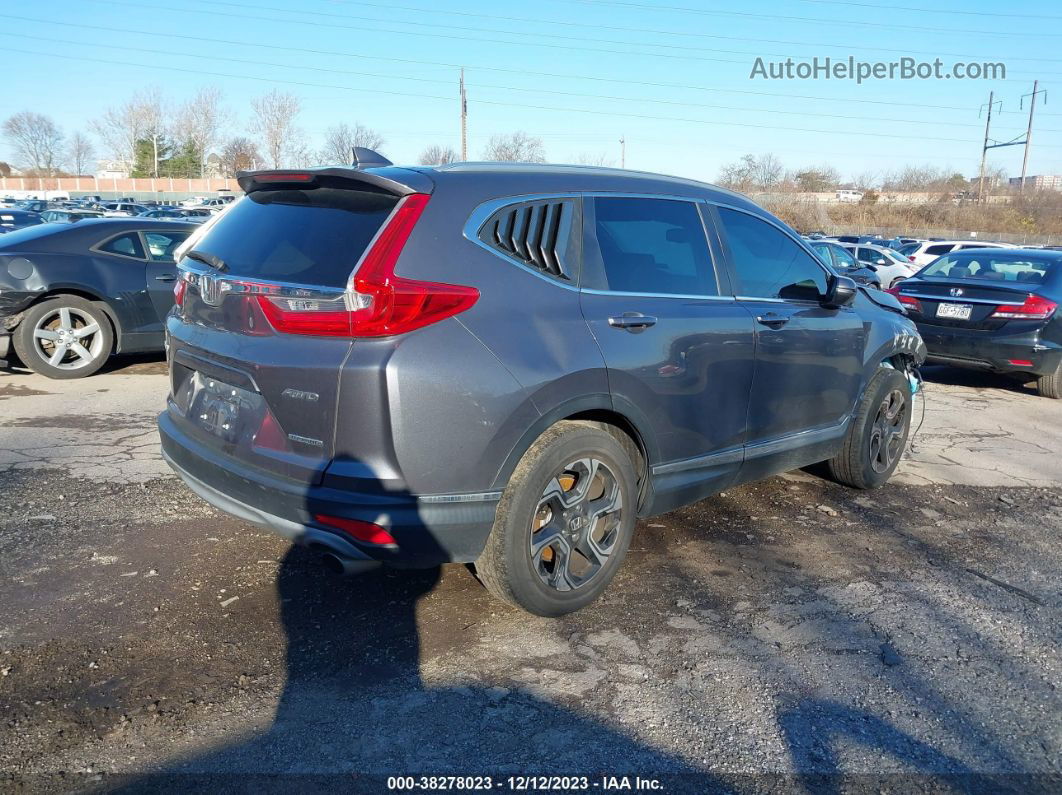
476, 222
98, 247
801, 243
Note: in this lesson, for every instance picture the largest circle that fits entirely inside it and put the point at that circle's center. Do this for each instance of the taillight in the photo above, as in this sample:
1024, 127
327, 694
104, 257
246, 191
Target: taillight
324, 317
368, 532
910, 258
1036, 307
179, 290
387, 304
905, 300
379, 303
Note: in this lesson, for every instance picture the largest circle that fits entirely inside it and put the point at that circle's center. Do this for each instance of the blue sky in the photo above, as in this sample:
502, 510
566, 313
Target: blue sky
672, 77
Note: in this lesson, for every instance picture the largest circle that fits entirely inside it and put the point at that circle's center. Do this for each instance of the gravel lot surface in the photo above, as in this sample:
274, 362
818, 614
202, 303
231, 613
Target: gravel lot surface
790, 634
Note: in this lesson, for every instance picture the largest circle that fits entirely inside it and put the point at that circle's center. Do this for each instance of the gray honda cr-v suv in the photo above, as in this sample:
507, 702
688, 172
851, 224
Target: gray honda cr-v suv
507, 365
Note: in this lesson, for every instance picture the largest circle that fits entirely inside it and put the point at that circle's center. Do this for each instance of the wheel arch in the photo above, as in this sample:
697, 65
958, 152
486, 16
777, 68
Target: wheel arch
598, 411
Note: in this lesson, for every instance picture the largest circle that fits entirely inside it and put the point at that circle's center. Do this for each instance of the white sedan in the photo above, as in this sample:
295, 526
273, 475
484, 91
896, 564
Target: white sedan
890, 266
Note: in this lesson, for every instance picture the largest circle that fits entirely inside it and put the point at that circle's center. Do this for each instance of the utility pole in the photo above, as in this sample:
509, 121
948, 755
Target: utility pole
464, 118
984, 149
623, 152
1028, 131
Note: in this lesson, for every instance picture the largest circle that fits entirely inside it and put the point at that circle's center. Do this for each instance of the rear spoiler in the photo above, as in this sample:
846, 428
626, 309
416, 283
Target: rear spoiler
391, 179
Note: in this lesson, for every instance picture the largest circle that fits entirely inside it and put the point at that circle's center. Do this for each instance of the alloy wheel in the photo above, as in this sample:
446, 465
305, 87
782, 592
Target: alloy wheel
68, 338
887, 433
576, 524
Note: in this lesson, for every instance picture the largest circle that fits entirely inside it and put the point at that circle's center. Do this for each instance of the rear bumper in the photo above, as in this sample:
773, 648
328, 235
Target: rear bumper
990, 351
429, 529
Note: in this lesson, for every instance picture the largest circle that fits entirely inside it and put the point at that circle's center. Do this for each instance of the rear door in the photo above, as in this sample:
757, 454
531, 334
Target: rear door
239, 386
809, 359
677, 347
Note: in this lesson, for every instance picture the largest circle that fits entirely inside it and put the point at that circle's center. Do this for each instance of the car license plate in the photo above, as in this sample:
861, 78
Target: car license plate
954, 311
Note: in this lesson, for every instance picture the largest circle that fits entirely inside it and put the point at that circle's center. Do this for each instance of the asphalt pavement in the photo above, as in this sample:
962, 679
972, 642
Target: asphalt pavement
790, 634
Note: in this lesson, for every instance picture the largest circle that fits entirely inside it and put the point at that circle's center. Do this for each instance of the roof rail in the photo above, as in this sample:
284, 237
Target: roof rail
367, 158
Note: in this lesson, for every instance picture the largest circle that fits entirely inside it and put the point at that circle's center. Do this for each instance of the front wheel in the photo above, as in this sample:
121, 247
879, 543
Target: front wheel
564, 522
64, 337
877, 435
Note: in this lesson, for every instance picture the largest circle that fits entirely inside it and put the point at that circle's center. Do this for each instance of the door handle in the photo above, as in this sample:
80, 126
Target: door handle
772, 320
166, 277
632, 321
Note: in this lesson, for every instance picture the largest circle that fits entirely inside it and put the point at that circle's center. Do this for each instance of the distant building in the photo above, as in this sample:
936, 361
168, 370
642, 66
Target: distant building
1039, 182
991, 181
113, 169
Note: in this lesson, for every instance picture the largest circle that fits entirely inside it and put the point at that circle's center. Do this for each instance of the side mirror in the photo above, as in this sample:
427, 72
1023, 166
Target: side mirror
880, 262
840, 292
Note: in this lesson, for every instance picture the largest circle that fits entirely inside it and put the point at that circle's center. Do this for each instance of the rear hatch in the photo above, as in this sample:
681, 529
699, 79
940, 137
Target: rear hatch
261, 328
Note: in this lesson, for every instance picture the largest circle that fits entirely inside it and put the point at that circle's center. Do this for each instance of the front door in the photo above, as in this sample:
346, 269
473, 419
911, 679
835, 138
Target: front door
678, 349
809, 359
161, 270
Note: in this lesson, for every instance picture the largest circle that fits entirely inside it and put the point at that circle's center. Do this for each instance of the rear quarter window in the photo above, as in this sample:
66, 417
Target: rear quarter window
311, 236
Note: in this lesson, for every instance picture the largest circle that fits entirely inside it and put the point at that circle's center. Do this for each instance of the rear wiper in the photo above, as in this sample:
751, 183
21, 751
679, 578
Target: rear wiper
217, 263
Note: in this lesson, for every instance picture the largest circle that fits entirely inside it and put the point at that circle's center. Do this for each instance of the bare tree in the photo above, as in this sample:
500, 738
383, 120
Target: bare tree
37, 141
238, 154
753, 173
274, 119
81, 153
517, 147
199, 122
436, 155
816, 179
590, 159
341, 139
140, 119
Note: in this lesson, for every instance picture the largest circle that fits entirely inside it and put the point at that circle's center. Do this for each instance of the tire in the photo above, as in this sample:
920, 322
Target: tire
552, 491
884, 415
81, 328
1050, 386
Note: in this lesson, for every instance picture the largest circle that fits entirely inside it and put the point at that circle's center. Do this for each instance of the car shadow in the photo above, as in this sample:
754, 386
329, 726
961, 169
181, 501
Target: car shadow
358, 706
976, 379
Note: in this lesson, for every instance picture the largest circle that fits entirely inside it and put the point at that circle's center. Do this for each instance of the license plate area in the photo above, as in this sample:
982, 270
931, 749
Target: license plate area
954, 311
221, 409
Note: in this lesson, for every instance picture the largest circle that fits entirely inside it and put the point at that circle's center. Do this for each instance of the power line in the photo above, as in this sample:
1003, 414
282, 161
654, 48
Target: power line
643, 31
536, 43
948, 11
440, 81
815, 20
454, 65
498, 103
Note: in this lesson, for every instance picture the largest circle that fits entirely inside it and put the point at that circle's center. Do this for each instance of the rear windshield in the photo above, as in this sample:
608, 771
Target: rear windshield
313, 236
908, 248
992, 267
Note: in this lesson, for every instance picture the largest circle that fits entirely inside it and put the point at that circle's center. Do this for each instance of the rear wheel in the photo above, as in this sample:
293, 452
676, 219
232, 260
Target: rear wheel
64, 337
1051, 385
877, 435
564, 522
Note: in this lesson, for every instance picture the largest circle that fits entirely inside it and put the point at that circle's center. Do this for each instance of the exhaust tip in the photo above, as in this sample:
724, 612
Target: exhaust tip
346, 566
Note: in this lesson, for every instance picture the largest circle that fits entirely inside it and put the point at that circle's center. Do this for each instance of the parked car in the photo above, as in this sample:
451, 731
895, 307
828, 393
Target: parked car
928, 250
163, 212
850, 196
68, 216
524, 359
73, 294
12, 219
992, 309
8, 201
32, 205
122, 209
890, 266
838, 258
